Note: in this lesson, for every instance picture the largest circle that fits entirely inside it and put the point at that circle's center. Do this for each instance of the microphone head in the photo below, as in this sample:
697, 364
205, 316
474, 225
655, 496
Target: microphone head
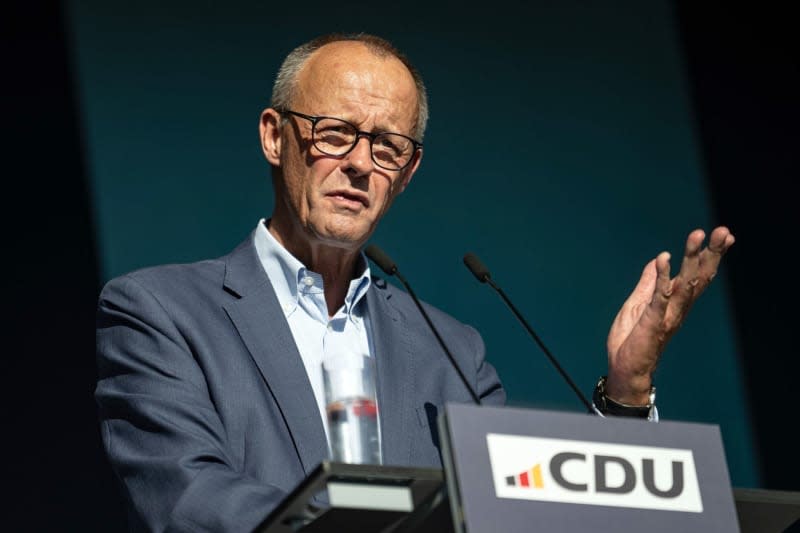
380, 258
477, 268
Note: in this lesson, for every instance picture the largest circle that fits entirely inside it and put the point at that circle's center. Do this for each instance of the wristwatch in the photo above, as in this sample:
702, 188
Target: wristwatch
607, 406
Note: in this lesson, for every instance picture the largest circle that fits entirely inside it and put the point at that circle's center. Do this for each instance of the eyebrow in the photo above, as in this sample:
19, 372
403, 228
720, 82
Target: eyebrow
374, 129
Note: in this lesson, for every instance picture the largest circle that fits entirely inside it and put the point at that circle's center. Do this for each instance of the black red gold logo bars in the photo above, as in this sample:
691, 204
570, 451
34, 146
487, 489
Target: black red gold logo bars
529, 478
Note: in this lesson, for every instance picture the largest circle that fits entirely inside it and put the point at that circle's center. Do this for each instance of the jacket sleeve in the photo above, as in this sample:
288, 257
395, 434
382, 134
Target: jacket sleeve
162, 434
488, 386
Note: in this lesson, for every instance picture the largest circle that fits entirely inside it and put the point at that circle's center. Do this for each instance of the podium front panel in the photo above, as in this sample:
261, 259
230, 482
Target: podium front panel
527, 470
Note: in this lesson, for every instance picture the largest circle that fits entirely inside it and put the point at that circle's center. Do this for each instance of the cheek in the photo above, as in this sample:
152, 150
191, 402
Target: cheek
387, 192
299, 176
294, 158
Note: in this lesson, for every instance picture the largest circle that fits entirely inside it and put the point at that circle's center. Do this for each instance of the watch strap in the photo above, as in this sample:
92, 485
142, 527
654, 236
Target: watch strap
607, 406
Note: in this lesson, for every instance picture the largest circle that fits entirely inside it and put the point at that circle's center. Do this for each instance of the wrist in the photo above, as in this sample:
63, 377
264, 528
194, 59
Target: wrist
629, 389
608, 405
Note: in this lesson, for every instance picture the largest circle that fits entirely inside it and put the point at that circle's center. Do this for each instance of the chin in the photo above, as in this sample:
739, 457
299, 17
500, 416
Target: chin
344, 235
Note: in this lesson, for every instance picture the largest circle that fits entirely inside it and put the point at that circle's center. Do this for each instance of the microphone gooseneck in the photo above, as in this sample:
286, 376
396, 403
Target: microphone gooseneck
386, 264
480, 271
380, 258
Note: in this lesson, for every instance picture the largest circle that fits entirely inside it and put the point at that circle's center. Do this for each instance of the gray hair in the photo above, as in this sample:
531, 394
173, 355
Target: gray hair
284, 88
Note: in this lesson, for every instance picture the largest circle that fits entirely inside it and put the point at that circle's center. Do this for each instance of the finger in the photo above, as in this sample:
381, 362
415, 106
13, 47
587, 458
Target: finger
633, 308
690, 265
663, 289
717, 242
699, 268
646, 284
685, 283
648, 335
721, 240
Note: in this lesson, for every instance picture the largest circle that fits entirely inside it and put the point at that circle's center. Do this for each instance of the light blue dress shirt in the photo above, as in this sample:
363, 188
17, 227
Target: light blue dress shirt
302, 297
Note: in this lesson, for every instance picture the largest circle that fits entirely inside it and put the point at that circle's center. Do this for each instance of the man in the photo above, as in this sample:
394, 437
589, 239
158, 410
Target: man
210, 389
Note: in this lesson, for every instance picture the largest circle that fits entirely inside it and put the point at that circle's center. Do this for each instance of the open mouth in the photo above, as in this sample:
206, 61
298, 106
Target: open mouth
349, 199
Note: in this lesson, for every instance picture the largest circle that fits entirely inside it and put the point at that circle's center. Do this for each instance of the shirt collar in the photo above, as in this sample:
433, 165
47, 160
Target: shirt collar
289, 276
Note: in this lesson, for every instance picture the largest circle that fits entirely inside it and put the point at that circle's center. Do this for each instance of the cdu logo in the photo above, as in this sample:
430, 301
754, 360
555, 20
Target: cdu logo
528, 478
594, 473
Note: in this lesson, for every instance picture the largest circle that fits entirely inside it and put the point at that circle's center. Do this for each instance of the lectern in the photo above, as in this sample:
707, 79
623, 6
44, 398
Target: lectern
365, 499
526, 470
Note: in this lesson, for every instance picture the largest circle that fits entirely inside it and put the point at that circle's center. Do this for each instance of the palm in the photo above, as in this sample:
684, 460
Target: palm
655, 310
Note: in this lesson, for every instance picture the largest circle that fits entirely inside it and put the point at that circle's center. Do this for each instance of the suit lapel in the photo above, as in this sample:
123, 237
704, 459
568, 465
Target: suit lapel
395, 374
262, 326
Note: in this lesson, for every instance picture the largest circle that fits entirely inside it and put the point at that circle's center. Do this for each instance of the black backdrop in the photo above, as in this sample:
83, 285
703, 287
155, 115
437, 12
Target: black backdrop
744, 79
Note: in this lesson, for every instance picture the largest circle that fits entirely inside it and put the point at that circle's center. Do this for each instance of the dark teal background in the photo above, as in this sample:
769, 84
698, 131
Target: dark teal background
561, 149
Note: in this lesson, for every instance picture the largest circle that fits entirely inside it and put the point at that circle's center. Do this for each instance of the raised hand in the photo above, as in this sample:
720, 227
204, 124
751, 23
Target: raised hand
655, 310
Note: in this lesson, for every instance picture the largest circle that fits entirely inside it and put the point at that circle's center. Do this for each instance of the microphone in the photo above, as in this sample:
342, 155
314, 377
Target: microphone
386, 264
480, 271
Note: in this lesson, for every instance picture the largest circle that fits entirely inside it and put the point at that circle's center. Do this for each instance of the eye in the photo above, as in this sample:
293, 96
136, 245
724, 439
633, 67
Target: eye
341, 129
334, 133
392, 144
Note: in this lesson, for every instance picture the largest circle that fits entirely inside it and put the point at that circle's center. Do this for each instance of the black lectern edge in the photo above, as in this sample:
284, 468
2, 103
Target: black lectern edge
766, 511
450, 473
297, 507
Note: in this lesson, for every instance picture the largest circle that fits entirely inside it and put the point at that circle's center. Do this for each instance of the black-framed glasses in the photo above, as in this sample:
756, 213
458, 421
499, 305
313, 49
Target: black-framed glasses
337, 137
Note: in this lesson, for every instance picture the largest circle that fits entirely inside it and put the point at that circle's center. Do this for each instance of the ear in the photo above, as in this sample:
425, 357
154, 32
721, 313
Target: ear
269, 129
409, 172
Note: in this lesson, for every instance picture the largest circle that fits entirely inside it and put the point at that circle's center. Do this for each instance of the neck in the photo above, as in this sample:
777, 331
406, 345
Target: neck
335, 264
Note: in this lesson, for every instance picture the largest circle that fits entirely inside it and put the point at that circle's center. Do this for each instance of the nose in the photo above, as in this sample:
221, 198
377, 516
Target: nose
358, 162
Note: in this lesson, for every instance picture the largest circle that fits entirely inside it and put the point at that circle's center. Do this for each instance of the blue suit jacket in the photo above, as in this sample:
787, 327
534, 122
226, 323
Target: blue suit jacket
207, 414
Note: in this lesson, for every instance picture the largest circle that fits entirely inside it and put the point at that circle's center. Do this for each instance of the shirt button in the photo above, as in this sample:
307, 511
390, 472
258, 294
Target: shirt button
308, 281
287, 308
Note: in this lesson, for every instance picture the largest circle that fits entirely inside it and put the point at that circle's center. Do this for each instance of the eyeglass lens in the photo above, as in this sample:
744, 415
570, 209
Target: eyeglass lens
337, 137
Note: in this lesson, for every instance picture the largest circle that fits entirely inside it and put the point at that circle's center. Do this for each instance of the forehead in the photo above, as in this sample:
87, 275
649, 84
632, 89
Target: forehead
349, 80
